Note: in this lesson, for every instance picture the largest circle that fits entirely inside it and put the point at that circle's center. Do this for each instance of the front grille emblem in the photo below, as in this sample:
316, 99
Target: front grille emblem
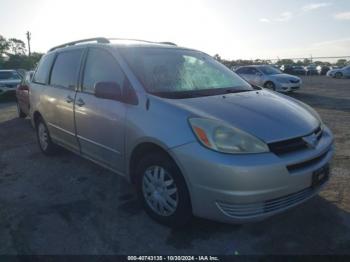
311, 140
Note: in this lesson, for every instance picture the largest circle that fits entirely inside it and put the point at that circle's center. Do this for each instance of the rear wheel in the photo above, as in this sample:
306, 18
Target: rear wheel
163, 191
20, 113
270, 85
338, 75
44, 140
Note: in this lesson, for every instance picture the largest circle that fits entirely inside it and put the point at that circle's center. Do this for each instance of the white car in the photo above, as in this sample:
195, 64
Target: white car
340, 72
269, 77
9, 79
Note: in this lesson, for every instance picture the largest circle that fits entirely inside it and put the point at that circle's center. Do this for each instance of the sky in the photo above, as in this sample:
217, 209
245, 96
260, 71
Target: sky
235, 29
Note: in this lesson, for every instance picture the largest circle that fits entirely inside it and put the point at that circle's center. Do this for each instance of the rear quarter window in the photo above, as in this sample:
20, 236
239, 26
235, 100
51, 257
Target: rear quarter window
42, 73
66, 68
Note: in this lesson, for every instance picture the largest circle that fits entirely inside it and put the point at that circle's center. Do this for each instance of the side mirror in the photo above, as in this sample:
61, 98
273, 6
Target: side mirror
108, 90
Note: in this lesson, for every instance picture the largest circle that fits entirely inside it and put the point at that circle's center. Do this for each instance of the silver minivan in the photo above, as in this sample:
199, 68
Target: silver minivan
191, 135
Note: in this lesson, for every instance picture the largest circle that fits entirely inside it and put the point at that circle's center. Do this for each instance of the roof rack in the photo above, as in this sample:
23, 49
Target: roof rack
103, 40
100, 40
145, 41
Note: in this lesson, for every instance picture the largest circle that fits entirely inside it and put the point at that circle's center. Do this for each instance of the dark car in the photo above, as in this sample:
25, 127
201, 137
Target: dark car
311, 70
322, 70
9, 79
287, 69
22, 94
299, 70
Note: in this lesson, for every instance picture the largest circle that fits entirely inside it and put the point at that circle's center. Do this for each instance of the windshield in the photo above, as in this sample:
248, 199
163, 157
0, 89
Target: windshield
9, 75
171, 72
269, 70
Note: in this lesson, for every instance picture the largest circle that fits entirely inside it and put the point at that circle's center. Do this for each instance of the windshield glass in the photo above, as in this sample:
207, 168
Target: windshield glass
167, 72
269, 70
9, 75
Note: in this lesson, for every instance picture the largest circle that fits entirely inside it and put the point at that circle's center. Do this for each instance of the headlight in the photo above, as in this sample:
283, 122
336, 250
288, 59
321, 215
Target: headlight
222, 138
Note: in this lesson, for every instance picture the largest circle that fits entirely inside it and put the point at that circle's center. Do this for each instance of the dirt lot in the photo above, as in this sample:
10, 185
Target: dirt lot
67, 205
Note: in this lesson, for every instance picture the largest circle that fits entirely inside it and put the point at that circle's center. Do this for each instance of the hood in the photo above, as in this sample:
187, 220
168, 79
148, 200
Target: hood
6, 82
264, 114
286, 76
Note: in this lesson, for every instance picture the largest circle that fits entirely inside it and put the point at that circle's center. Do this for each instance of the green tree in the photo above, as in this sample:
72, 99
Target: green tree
17, 46
217, 57
341, 62
285, 62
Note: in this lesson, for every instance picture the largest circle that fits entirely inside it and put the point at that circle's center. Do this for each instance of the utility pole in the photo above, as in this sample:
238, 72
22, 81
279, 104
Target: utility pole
29, 37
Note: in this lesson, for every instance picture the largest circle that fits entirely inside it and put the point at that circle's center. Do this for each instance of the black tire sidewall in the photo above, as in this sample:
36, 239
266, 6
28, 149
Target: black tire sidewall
183, 212
273, 86
338, 75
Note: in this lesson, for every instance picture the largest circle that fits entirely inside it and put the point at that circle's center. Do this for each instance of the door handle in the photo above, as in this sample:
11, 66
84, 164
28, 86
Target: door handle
69, 99
80, 102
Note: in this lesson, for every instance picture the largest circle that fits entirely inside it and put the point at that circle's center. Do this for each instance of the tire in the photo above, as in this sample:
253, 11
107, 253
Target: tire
165, 200
44, 140
20, 113
270, 85
338, 75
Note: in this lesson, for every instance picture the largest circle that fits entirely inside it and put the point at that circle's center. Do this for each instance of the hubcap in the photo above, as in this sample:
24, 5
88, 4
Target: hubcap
160, 191
269, 86
43, 136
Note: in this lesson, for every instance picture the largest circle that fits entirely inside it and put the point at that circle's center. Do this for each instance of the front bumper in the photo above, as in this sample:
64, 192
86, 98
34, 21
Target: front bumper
242, 188
288, 87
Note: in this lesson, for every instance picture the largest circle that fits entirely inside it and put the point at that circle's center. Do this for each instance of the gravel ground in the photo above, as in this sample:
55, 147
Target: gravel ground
68, 205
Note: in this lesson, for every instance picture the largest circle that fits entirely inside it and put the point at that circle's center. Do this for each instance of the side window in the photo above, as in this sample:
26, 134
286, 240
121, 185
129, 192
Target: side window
242, 70
66, 68
251, 71
43, 70
101, 66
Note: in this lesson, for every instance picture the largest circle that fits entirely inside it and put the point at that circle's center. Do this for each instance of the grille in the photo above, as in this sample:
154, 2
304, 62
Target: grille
307, 163
295, 81
10, 85
292, 145
262, 208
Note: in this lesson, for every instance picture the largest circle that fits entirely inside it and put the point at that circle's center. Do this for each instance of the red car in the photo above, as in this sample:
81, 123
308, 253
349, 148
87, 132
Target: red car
22, 94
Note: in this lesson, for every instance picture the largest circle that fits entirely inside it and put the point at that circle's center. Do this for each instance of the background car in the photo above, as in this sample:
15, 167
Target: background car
322, 70
22, 95
287, 69
311, 70
269, 77
9, 79
298, 70
340, 72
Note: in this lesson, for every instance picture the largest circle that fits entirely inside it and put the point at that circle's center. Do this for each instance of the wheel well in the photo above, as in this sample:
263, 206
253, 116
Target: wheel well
36, 117
140, 151
269, 81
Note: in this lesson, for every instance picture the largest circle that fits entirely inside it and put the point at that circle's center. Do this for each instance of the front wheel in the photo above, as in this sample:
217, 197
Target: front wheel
338, 75
270, 85
44, 140
163, 191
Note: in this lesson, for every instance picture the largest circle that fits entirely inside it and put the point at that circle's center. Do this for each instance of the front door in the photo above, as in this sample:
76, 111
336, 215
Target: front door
100, 122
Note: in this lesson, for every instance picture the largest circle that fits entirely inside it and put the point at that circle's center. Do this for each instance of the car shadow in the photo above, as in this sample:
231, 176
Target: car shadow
315, 227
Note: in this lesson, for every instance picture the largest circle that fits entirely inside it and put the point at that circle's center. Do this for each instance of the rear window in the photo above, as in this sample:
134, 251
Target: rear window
9, 75
66, 68
43, 70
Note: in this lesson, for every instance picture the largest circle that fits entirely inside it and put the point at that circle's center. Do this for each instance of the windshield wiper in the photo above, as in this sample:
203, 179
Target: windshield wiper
233, 91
